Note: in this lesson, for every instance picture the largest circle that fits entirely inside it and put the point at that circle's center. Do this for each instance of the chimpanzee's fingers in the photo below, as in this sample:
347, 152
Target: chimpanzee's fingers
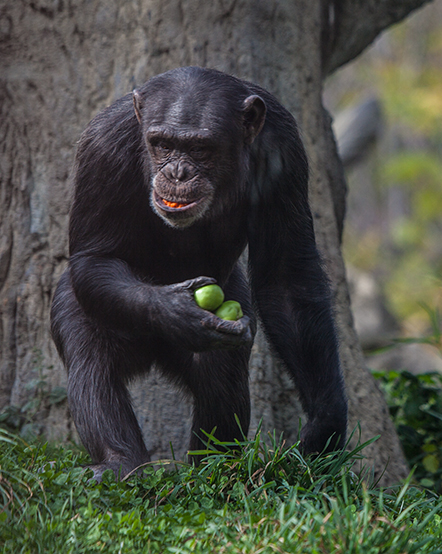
197, 283
238, 327
227, 327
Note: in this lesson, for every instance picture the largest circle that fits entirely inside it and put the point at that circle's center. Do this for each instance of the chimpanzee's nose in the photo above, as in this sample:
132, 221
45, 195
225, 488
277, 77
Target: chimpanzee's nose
179, 171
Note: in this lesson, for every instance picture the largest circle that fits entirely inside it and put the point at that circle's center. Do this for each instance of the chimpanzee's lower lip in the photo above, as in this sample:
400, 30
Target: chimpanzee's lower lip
172, 205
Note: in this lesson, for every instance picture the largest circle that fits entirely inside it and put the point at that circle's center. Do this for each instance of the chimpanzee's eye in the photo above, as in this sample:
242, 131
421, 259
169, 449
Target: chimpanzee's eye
198, 151
163, 147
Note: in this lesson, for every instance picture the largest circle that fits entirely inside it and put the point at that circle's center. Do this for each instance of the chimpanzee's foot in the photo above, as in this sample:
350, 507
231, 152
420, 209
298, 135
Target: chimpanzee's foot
121, 469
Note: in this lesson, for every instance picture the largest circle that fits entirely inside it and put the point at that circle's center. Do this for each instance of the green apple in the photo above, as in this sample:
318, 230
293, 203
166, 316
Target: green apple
230, 310
209, 297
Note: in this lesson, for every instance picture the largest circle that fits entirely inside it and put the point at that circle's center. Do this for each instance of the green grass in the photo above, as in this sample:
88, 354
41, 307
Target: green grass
252, 499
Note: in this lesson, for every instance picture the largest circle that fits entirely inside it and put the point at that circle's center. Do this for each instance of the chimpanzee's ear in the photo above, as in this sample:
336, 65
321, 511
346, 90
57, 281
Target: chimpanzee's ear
254, 113
137, 104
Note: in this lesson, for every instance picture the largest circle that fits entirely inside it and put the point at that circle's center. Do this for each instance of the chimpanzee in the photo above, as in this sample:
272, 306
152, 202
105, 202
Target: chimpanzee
172, 183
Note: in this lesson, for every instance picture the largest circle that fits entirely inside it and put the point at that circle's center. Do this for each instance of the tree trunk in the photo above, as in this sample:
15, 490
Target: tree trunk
62, 61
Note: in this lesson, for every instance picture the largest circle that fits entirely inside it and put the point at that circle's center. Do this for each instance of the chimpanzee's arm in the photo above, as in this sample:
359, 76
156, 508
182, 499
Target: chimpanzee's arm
109, 292
292, 293
293, 302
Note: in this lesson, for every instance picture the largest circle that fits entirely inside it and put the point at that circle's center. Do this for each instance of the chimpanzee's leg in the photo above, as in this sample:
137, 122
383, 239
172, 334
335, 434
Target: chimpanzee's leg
218, 379
220, 386
99, 364
219, 383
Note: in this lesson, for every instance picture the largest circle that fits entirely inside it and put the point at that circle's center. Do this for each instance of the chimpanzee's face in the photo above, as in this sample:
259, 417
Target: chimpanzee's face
184, 173
197, 137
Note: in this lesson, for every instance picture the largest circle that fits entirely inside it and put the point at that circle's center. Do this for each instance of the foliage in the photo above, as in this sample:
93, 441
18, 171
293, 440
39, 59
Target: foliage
415, 403
245, 497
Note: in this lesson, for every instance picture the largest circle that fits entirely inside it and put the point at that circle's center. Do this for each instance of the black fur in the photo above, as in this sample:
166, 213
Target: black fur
171, 184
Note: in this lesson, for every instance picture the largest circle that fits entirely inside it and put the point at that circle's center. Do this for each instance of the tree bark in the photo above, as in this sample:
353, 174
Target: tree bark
349, 26
62, 61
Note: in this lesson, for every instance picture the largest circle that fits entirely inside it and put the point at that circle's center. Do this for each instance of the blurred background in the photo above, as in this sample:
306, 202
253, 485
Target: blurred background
387, 111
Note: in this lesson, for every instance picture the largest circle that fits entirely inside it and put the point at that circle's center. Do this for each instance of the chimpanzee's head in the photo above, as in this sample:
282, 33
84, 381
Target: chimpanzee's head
197, 125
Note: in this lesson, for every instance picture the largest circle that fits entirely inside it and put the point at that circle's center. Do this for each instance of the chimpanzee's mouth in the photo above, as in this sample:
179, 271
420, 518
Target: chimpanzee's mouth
173, 205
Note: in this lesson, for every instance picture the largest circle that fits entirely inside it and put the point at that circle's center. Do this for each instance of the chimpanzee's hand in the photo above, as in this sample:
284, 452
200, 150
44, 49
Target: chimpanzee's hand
182, 320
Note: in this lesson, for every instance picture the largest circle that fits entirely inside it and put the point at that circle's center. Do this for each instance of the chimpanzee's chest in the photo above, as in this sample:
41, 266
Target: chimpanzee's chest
211, 250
